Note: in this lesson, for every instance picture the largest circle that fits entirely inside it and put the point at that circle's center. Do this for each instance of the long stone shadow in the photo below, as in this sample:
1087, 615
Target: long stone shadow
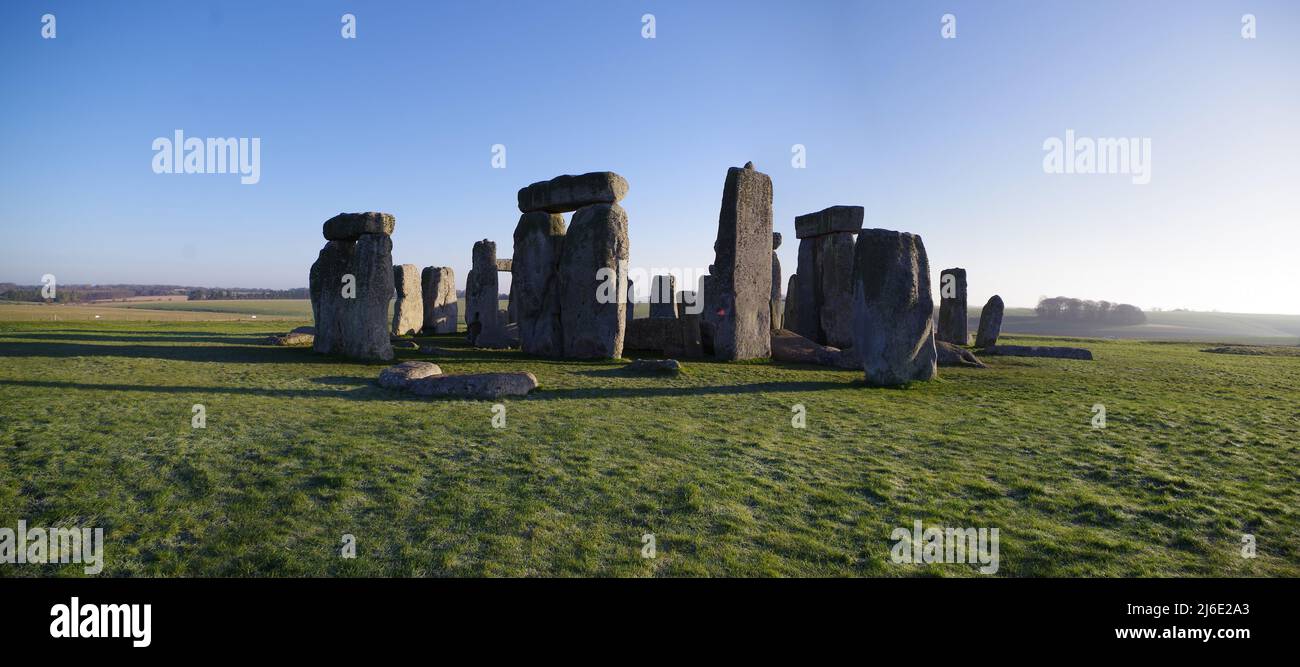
373, 392
205, 353
244, 338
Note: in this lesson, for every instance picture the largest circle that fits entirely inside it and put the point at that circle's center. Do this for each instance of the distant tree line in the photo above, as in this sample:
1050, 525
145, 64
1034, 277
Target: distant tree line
1083, 310
210, 293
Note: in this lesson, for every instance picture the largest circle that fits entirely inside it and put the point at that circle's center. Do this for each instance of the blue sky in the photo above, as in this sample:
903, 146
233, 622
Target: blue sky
943, 137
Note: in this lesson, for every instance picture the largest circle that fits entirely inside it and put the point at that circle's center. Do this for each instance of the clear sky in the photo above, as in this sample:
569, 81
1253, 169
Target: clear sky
943, 137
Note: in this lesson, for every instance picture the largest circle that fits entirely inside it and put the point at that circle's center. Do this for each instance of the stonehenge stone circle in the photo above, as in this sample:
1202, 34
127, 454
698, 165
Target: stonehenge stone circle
952, 307
535, 285
673, 337
663, 296
438, 287
739, 289
570, 193
481, 290
593, 294
778, 313
352, 284
990, 323
825, 273
893, 310
408, 312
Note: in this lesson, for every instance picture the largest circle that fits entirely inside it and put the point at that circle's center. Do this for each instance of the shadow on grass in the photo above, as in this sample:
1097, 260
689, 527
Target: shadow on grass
246, 338
257, 353
372, 392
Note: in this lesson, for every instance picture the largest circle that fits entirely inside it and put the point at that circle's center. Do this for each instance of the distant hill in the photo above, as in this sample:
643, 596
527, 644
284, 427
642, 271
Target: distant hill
1172, 326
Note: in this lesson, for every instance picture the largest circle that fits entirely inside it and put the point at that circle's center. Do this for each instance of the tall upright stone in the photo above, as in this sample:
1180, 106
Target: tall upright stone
893, 310
663, 296
778, 314
408, 311
593, 293
630, 303
438, 284
481, 290
825, 274
740, 286
990, 323
352, 284
535, 282
952, 307
791, 314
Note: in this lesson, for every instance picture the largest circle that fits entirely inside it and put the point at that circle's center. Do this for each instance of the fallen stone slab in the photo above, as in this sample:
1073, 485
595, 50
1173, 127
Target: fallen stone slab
952, 355
563, 194
291, 339
790, 347
828, 221
665, 366
486, 386
350, 226
1039, 351
401, 375
499, 338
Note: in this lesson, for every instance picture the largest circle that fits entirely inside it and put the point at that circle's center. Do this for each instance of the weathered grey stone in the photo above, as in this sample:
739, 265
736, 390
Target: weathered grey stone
663, 296
350, 226
500, 337
292, 339
438, 287
825, 297
664, 366
481, 290
535, 282
314, 286
355, 327
790, 347
740, 285
952, 307
790, 314
570, 193
593, 303
401, 375
629, 313
673, 337
408, 311
688, 303
507, 265
829, 221
777, 310
1039, 351
948, 354
483, 386
990, 323
893, 310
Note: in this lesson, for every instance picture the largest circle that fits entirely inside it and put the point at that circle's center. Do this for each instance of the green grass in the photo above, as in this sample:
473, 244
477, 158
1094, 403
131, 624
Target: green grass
300, 449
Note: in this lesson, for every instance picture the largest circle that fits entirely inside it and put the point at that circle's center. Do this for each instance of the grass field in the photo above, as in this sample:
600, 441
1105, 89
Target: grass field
298, 450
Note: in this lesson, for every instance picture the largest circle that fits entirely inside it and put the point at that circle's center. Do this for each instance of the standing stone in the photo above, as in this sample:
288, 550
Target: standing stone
791, 314
663, 296
990, 323
688, 304
778, 315
408, 312
354, 287
893, 310
952, 307
826, 275
481, 290
593, 294
741, 285
535, 282
631, 312
438, 284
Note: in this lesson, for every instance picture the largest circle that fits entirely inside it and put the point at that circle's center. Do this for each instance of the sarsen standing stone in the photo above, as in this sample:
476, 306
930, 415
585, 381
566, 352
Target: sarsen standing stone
893, 311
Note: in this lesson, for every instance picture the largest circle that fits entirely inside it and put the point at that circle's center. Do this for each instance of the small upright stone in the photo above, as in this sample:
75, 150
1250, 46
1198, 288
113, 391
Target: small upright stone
438, 284
990, 323
952, 307
481, 290
593, 296
663, 296
893, 311
778, 313
408, 312
740, 285
570, 193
